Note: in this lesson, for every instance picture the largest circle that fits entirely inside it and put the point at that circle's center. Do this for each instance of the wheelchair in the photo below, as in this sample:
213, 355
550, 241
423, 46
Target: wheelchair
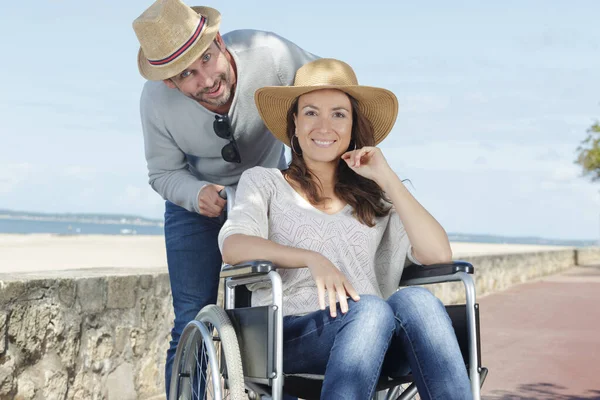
235, 352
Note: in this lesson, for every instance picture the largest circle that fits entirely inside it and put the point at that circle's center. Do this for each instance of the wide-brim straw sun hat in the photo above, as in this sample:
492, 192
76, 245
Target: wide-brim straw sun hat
380, 106
172, 36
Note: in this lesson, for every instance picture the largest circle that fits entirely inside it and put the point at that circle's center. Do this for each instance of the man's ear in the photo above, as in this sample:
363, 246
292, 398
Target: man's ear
170, 84
220, 41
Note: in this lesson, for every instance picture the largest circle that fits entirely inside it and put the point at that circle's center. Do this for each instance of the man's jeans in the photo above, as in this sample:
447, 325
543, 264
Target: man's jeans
410, 331
194, 262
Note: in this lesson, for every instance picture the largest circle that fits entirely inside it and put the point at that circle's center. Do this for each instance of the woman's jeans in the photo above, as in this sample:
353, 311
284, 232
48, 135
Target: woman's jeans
409, 332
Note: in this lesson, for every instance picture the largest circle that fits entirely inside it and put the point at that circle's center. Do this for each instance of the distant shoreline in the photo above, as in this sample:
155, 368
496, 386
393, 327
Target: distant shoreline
21, 222
90, 220
44, 252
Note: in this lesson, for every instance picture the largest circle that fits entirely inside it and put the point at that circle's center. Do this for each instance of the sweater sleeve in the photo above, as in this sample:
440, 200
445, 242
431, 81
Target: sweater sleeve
288, 57
168, 171
393, 253
250, 212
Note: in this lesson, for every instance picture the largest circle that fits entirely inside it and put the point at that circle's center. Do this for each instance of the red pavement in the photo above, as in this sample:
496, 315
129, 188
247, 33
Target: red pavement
541, 340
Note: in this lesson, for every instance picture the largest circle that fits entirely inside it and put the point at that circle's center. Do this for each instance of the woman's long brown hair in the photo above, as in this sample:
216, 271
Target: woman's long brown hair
364, 195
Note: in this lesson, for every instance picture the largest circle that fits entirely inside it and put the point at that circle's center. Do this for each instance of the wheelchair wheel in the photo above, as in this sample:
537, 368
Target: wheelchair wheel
403, 392
207, 364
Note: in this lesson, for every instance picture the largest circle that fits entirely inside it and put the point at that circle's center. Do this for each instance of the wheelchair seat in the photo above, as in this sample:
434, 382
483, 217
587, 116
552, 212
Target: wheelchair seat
255, 326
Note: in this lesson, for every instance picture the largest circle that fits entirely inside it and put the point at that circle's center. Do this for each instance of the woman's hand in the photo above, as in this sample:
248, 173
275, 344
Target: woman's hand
329, 279
368, 162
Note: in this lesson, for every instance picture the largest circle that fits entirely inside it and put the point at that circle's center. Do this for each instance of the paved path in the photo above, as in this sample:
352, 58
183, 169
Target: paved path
541, 340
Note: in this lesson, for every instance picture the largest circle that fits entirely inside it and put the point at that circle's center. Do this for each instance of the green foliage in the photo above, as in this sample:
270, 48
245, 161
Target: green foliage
589, 153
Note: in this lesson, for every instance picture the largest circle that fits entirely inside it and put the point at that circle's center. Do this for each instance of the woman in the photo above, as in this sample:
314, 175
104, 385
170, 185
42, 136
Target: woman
340, 225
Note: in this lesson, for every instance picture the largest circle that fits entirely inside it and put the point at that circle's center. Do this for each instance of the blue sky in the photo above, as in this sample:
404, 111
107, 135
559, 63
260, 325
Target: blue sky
494, 99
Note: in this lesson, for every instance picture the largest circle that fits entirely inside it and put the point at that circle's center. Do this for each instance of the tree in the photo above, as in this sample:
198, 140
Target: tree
589, 153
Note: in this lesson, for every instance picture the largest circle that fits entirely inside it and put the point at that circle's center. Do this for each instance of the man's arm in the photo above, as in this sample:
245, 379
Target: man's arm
167, 166
288, 57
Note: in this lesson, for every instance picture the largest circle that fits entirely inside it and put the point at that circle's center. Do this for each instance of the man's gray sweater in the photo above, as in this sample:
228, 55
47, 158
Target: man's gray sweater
183, 152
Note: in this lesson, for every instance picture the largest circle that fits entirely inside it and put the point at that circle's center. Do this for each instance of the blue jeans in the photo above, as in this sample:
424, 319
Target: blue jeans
194, 262
409, 332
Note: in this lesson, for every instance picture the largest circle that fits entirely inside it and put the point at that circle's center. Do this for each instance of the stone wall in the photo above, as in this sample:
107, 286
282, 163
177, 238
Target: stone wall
588, 256
498, 272
102, 334
83, 335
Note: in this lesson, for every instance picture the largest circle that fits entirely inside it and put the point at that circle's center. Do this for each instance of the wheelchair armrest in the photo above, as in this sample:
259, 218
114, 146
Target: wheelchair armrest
247, 269
418, 272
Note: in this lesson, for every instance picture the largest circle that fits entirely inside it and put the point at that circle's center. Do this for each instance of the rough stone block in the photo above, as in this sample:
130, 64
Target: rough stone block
138, 339
3, 331
39, 289
11, 291
91, 293
56, 386
67, 292
28, 327
68, 347
86, 386
122, 334
150, 378
120, 383
26, 388
121, 291
46, 379
146, 281
588, 256
7, 379
162, 285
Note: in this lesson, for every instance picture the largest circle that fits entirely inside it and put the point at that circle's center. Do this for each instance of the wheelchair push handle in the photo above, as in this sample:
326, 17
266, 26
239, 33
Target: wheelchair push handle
227, 193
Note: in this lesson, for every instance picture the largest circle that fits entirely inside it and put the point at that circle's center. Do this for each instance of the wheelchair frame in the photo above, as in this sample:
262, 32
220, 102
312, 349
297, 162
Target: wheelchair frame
265, 327
264, 271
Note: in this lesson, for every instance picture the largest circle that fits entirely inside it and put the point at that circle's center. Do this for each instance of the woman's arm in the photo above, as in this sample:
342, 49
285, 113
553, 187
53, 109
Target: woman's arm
428, 239
238, 248
244, 237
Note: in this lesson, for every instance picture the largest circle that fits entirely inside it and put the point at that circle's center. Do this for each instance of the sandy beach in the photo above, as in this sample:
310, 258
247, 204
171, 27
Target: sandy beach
45, 252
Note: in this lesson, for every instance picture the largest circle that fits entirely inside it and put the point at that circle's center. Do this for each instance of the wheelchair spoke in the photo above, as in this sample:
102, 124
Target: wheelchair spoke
206, 375
201, 379
202, 361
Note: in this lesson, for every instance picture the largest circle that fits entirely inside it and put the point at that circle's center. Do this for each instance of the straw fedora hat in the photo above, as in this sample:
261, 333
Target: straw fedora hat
380, 106
172, 36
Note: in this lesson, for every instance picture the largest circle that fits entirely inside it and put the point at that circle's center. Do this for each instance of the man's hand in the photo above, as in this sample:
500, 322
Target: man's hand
209, 201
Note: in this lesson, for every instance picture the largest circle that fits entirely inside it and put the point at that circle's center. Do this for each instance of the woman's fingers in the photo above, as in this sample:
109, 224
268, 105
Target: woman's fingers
350, 158
332, 304
364, 156
355, 158
321, 294
341, 294
331, 282
351, 291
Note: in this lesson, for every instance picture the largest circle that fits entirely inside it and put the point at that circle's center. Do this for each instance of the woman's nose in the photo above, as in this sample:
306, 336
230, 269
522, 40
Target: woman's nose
323, 124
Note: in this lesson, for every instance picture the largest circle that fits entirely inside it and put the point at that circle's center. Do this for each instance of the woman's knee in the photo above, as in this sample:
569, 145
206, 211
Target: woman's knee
419, 305
414, 297
371, 312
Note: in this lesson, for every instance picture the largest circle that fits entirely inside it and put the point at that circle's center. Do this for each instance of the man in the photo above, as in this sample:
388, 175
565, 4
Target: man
201, 131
